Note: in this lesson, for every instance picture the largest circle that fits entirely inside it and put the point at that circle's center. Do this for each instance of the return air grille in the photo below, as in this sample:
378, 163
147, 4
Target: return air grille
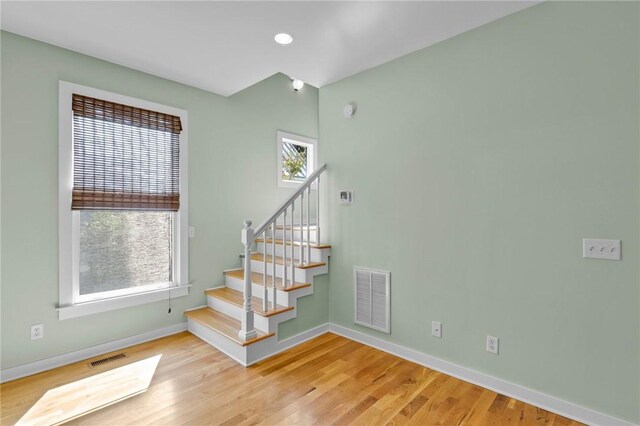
372, 298
107, 359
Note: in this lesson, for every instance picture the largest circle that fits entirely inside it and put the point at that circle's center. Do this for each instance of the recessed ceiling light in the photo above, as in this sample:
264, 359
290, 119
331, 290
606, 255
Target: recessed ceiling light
283, 38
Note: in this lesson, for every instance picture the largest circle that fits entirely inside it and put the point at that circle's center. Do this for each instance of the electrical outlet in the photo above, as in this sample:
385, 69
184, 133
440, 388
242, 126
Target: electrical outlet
37, 331
492, 344
436, 329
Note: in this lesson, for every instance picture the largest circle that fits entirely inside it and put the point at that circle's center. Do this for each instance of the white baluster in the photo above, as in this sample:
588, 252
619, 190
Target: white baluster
308, 224
318, 211
302, 228
265, 293
292, 258
246, 329
273, 259
284, 249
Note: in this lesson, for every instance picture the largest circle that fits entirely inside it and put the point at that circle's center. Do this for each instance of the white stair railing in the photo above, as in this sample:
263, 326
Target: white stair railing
249, 236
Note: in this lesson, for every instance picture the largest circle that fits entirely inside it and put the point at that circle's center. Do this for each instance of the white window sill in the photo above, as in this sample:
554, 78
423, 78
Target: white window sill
105, 305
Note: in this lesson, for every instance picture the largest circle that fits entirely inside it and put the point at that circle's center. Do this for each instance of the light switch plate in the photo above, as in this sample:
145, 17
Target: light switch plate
593, 248
192, 231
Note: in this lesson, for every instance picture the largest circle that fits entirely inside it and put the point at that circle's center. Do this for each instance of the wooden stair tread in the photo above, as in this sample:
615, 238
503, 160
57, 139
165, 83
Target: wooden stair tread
236, 298
257, 278
295, 243
223, 324
279, 260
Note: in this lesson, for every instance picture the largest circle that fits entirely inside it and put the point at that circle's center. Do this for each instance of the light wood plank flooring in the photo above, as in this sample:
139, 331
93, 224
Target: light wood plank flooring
328, 380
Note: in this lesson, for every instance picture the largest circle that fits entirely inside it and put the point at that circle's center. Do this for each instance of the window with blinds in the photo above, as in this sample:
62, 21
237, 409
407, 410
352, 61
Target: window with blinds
124, 158
124, 199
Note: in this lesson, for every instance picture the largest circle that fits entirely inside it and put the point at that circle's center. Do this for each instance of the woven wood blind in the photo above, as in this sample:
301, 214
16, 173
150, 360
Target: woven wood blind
124, 158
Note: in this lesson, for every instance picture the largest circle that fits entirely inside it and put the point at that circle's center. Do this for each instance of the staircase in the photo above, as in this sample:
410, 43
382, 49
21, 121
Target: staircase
281, 258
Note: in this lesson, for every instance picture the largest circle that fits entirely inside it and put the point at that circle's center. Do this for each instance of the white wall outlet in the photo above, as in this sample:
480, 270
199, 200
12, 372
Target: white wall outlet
37, 331
492, 344
601, 249
436, 329
192, 231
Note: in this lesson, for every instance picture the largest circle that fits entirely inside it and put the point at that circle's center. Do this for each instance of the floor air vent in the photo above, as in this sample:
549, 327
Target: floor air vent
107, 359
372, 298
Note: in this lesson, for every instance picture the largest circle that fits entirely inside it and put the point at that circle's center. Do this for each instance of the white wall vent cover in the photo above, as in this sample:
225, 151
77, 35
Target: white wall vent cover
372, 298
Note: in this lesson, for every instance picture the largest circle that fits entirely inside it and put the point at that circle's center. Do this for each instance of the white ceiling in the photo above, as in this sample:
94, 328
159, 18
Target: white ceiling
225, 47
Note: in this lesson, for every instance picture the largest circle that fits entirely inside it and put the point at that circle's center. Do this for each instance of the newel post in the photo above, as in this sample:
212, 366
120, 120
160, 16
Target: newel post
246, 330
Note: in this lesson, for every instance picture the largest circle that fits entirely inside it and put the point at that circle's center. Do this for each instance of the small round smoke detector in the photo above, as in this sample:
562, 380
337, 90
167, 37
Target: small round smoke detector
348, 111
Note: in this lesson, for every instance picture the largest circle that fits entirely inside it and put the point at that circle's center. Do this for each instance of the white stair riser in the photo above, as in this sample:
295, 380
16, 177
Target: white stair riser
296, 235
225, 307
238, 285
261, 322
301, 275
317, 255
285, 298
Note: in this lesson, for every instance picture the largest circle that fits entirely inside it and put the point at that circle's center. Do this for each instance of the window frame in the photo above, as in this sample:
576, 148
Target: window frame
71, 305
312, 160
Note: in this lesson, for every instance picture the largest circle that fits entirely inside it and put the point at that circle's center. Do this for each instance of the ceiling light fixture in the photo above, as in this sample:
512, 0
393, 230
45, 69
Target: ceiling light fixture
297, 84
283, 39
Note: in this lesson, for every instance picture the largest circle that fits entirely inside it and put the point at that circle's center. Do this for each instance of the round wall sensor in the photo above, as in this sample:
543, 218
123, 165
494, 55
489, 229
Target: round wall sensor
349, 110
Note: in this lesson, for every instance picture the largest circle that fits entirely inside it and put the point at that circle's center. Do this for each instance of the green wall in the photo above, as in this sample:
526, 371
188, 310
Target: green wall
478, 165
231, 178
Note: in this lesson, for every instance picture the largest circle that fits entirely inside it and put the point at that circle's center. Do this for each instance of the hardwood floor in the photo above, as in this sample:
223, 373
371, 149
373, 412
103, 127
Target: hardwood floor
328, 380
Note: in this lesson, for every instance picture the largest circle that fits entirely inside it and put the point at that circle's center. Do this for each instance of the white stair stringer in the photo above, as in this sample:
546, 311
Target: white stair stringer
266, 323
218, 341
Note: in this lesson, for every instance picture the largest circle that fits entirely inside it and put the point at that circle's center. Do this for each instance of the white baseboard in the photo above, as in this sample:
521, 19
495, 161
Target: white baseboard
292, 341
82, 354
521, 393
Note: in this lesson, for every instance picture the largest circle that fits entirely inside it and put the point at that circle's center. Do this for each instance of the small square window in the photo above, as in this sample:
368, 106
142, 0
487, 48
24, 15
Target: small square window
296, 158
294, 162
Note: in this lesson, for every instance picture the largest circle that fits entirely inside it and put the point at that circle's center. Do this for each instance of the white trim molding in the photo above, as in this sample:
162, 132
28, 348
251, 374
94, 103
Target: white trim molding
24, 370
521, 393
104, 305
70, 303
296, 340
